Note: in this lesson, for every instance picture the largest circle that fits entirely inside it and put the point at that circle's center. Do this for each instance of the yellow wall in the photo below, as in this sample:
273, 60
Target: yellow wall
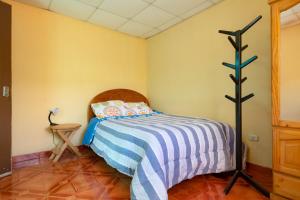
290, 73
61, 62
185, 74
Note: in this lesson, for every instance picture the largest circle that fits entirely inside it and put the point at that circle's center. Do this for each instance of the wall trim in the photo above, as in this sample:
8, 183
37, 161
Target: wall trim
258, 168
27, 160
34, 158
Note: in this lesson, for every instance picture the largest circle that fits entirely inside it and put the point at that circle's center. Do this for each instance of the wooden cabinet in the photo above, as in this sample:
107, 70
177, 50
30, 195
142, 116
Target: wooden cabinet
277, 197
286, 151
285, 99
287, 186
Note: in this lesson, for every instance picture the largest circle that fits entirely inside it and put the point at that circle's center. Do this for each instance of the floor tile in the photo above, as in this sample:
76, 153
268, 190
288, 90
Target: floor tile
40, 183
16, 177
121, 189
100, 167
20, 196
89, 178
84, 186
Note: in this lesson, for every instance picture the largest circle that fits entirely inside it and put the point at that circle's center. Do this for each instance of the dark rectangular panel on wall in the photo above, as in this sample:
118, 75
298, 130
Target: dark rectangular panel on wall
5, 88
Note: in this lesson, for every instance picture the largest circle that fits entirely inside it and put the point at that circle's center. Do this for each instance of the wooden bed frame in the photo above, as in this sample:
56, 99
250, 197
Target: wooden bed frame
117, 94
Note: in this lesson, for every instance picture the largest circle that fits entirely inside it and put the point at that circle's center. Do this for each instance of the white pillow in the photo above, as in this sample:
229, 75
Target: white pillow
137, 108
109, 109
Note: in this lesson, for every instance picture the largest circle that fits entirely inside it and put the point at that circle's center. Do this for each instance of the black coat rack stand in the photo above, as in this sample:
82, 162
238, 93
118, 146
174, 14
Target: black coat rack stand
238, 100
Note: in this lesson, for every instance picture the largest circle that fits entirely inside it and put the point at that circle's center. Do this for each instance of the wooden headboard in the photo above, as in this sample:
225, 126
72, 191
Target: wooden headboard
117, 94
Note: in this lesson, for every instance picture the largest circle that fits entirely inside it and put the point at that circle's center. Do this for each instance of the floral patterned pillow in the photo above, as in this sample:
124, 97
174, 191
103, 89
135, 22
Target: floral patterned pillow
137, 108
109, 109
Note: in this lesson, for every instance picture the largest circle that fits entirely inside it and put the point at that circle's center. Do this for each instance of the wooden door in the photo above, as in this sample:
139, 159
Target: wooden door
5, 85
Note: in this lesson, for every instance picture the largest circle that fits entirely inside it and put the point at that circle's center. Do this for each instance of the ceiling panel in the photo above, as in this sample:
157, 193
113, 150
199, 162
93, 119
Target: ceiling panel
170, 23
72, 8
197, 9
128, 8
154, 31
135, 28
92, 2
178, 7
101, 17
153, 16
37, 3
216, 1
142, 18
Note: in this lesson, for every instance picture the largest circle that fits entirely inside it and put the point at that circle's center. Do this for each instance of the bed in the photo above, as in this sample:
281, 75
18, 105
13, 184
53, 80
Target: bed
158, 150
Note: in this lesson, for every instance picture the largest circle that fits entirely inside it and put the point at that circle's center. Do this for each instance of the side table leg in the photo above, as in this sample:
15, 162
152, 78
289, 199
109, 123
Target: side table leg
62, 149
52, 156
66, 137
56, 149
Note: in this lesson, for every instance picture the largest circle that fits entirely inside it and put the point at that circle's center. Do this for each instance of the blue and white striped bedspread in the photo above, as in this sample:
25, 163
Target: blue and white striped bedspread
161, 150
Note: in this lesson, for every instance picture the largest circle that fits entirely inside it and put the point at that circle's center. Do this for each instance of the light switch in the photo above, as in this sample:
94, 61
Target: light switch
5, 91
253, 138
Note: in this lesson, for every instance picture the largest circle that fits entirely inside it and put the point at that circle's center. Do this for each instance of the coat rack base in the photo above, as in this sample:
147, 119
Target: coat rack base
249, 179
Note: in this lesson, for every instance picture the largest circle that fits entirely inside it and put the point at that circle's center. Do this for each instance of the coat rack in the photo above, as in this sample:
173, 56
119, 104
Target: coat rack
238, 100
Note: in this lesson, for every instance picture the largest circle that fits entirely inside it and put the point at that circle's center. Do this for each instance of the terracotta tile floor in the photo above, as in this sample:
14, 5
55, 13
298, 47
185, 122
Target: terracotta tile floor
89, 178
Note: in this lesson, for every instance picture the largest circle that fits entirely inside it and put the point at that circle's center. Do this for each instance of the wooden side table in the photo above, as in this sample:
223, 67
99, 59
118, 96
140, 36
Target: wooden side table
65, 132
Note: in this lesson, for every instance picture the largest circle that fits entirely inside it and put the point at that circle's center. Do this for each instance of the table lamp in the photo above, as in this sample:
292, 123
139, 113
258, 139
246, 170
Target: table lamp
53, 111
